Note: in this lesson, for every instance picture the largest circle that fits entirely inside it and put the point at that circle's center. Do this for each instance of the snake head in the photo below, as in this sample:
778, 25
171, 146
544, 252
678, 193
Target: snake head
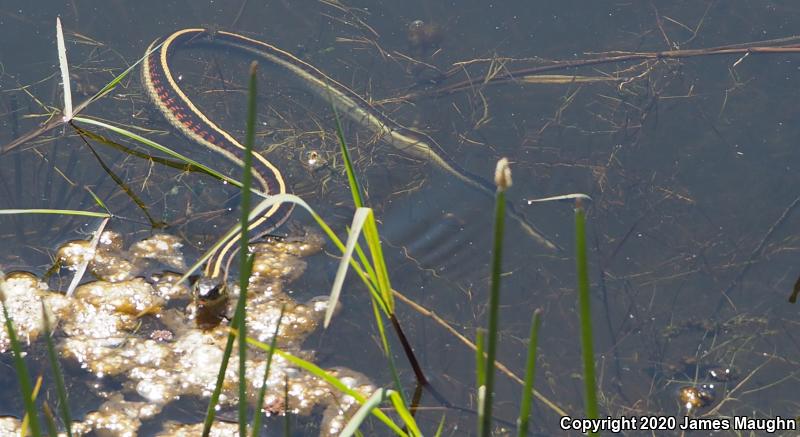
211, 302
207, 290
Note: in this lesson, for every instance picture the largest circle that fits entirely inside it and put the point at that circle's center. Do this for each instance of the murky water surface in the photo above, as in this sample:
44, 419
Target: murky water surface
688, 159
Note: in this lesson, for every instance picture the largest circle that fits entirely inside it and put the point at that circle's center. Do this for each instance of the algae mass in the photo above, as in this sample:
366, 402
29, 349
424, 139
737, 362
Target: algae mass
135, 325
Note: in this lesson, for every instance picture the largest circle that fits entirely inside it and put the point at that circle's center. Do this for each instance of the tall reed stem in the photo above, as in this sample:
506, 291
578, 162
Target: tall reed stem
503, 181
590, 386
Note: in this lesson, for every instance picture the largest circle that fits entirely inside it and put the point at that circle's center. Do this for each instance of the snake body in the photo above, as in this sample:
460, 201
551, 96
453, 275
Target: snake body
166, 94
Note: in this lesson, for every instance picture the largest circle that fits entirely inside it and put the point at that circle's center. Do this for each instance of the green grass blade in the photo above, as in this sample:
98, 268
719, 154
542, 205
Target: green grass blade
245, 259
211, 411
480, 357
152, 144
49, 420
98, 200
58, 375
371, 229
263, 206
352, 239
530, 374
590, 386
330, 379
115, 81
378, 262
25, 420
55, 211
364, 411
405, 415
503, 181
355, 187
440, 429
362, 258
23, 378
238, 322
287, 425
385, 296
263, 390
166, 162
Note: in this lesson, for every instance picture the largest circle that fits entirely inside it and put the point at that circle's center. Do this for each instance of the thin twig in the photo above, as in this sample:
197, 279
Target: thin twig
755, 254
781, 45
498, 365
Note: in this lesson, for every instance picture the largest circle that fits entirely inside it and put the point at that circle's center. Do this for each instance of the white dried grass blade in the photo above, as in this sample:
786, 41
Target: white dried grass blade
574, 196
263, 206
62, 61
559, 79
366, 408
82, 267
482, 400
352, 239
54, 211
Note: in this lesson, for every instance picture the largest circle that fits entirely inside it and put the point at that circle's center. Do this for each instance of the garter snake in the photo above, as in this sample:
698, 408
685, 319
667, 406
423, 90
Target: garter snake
165, 92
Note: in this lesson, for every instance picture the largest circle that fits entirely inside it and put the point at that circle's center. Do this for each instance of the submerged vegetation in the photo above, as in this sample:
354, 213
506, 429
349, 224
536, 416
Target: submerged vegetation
263, 370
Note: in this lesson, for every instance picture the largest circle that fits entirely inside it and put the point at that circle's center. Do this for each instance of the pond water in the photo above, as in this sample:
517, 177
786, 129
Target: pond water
688, 160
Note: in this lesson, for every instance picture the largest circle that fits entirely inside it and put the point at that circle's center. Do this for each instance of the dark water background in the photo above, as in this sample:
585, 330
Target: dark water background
690, 166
